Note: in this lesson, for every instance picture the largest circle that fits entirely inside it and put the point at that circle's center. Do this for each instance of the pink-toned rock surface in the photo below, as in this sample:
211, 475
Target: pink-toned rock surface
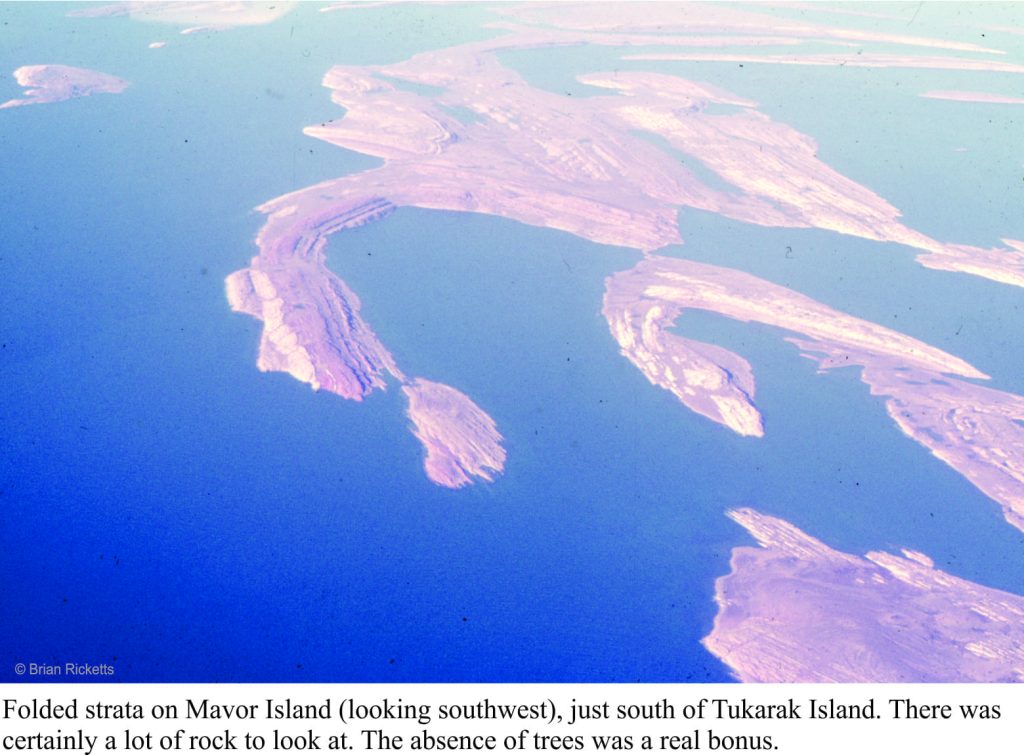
313, 330
977, 431
848, 10
706, 18
1001, 264
853, 60
773, 163
56, 83
580, 165
461, 440
795, 610
357, 5
955, 95
196, 16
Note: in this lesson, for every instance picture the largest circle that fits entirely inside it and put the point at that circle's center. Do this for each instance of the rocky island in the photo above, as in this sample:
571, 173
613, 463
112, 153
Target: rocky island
56, 83
795, 610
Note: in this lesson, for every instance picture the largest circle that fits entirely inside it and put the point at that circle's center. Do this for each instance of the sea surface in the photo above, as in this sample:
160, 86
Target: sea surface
168, 509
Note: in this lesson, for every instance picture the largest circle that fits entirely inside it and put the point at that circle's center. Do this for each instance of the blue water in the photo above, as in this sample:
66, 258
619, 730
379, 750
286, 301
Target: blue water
168, 509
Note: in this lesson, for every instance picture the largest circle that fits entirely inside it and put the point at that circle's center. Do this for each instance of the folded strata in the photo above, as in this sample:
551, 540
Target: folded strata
777, 169
975, 430
795, 610
581, 165
488, 142
313, 330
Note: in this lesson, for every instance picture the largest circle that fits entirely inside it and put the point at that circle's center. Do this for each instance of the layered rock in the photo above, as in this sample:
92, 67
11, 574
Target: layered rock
461, 440
795, 610
975, 430
582, 165
313, 330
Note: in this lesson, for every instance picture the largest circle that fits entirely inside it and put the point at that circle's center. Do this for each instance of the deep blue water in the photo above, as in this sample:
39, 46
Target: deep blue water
167, 508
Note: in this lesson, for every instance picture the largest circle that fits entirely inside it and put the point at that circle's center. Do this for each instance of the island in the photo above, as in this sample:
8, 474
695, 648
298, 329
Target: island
976, 430
314, 332
793, 609
57, 83
853, 60
586, 166
956, 95
205, 15
461, 440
